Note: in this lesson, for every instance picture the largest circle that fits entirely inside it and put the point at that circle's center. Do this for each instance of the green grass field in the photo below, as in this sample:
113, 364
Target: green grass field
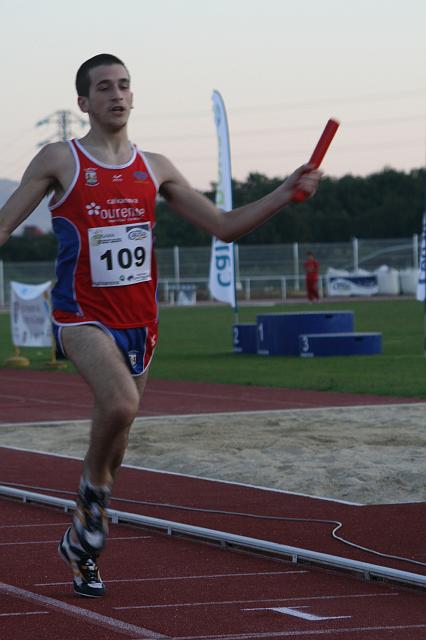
196, 344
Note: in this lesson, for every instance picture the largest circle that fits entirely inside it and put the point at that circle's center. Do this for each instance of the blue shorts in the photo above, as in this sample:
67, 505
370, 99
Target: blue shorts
136, 345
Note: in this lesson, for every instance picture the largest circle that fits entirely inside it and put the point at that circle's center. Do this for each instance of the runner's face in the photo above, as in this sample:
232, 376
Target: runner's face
110, 98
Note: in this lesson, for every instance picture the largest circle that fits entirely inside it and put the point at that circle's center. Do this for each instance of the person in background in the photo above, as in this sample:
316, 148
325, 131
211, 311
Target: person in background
312, 267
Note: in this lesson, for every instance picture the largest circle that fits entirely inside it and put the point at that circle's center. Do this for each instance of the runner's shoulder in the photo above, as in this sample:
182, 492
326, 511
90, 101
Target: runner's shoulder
55, 157
163, 168
157, 160
51, 163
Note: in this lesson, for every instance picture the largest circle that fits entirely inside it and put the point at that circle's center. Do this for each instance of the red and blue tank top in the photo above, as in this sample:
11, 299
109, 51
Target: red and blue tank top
106, 269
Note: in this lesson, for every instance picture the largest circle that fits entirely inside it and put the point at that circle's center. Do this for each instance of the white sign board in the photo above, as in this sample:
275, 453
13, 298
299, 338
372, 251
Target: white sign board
30, 314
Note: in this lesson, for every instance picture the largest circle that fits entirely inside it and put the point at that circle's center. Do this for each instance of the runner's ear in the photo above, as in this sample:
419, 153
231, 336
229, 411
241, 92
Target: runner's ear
83, 103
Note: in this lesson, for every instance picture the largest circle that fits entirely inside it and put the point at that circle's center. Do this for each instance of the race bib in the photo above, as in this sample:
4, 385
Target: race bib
120, 255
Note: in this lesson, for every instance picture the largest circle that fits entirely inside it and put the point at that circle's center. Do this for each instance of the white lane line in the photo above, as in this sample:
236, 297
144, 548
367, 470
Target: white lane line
292, 408
259, 412
297, 613
245, 485
307, 632
85, 615
219, 576
66, 383
175, 473
32, 526
24, 613
151, 390
213, 395
258, 600
39, 400
47, 423
9, 544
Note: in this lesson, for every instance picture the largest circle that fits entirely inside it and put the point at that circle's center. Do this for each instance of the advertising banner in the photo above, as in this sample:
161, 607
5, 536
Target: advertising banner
352, 285
30, 314
421, 283
222, 261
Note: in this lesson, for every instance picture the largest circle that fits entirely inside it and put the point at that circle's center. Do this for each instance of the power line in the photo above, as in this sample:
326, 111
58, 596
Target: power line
375, 97
303, 104
356, 148
16, 137
64, 121
298, 129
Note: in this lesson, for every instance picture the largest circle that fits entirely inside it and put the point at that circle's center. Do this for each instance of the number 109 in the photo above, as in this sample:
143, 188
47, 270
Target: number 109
125, 258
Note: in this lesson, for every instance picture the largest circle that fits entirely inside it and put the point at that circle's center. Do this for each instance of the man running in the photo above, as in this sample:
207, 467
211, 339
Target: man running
103, 192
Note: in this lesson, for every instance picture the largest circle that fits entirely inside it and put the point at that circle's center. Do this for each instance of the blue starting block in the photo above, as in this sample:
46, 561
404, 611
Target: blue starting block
278, 333
244, 338
340, 344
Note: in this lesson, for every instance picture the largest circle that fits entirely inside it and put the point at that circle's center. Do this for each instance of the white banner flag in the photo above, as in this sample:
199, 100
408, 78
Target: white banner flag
222, 261
30, 314
421, 283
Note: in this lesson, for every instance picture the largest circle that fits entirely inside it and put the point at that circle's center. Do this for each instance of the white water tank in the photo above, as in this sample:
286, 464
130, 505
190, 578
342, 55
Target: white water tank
408, 280
388, 281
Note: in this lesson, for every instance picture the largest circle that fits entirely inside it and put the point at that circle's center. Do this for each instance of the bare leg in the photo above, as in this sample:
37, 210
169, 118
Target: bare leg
117, 454
117, 397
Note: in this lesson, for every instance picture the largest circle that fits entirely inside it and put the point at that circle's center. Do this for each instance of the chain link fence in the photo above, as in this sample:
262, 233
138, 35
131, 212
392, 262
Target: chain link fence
263, 271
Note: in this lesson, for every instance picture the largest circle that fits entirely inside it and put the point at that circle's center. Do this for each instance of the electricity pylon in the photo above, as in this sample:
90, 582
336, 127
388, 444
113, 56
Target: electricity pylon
64, 121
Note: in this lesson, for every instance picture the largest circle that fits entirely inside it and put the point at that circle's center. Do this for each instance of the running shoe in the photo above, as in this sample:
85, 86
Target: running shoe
90, 519
87, 579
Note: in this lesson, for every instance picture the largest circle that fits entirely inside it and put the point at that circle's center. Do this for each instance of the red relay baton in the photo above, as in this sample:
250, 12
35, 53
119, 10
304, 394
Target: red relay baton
319, 152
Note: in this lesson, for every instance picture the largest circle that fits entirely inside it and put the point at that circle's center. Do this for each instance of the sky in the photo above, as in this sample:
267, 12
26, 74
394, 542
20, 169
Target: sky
283, 68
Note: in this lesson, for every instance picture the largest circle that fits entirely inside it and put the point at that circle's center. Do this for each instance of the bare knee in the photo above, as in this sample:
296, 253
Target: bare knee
119, 410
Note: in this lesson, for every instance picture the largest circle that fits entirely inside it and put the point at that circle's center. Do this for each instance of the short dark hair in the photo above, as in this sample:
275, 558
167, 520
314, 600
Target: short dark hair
82, 80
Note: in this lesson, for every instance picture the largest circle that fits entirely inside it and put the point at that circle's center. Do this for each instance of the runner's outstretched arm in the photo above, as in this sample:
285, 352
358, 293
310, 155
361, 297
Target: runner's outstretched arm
229, 226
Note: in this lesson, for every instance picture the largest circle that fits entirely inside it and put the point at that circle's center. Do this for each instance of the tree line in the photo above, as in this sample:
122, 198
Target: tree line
387, 204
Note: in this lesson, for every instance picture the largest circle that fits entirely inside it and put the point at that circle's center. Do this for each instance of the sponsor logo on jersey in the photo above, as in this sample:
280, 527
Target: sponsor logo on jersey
96, 239
141, 176
138, 233
93, 209
123, 201
117, 177
103, 237
91, 177
116, 213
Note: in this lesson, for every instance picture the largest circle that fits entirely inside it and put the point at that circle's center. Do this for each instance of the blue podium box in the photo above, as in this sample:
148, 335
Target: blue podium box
278, 333
244, 338
340, 344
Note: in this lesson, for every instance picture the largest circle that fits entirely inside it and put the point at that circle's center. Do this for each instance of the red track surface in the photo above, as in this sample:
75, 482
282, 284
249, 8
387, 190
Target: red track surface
167, 587
160, 586
35, 396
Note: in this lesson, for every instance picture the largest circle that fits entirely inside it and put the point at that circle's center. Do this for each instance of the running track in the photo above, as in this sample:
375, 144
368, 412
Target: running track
36, 396
162, 587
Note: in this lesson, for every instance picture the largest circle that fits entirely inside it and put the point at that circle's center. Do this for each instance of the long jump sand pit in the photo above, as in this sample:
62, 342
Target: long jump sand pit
369, 455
